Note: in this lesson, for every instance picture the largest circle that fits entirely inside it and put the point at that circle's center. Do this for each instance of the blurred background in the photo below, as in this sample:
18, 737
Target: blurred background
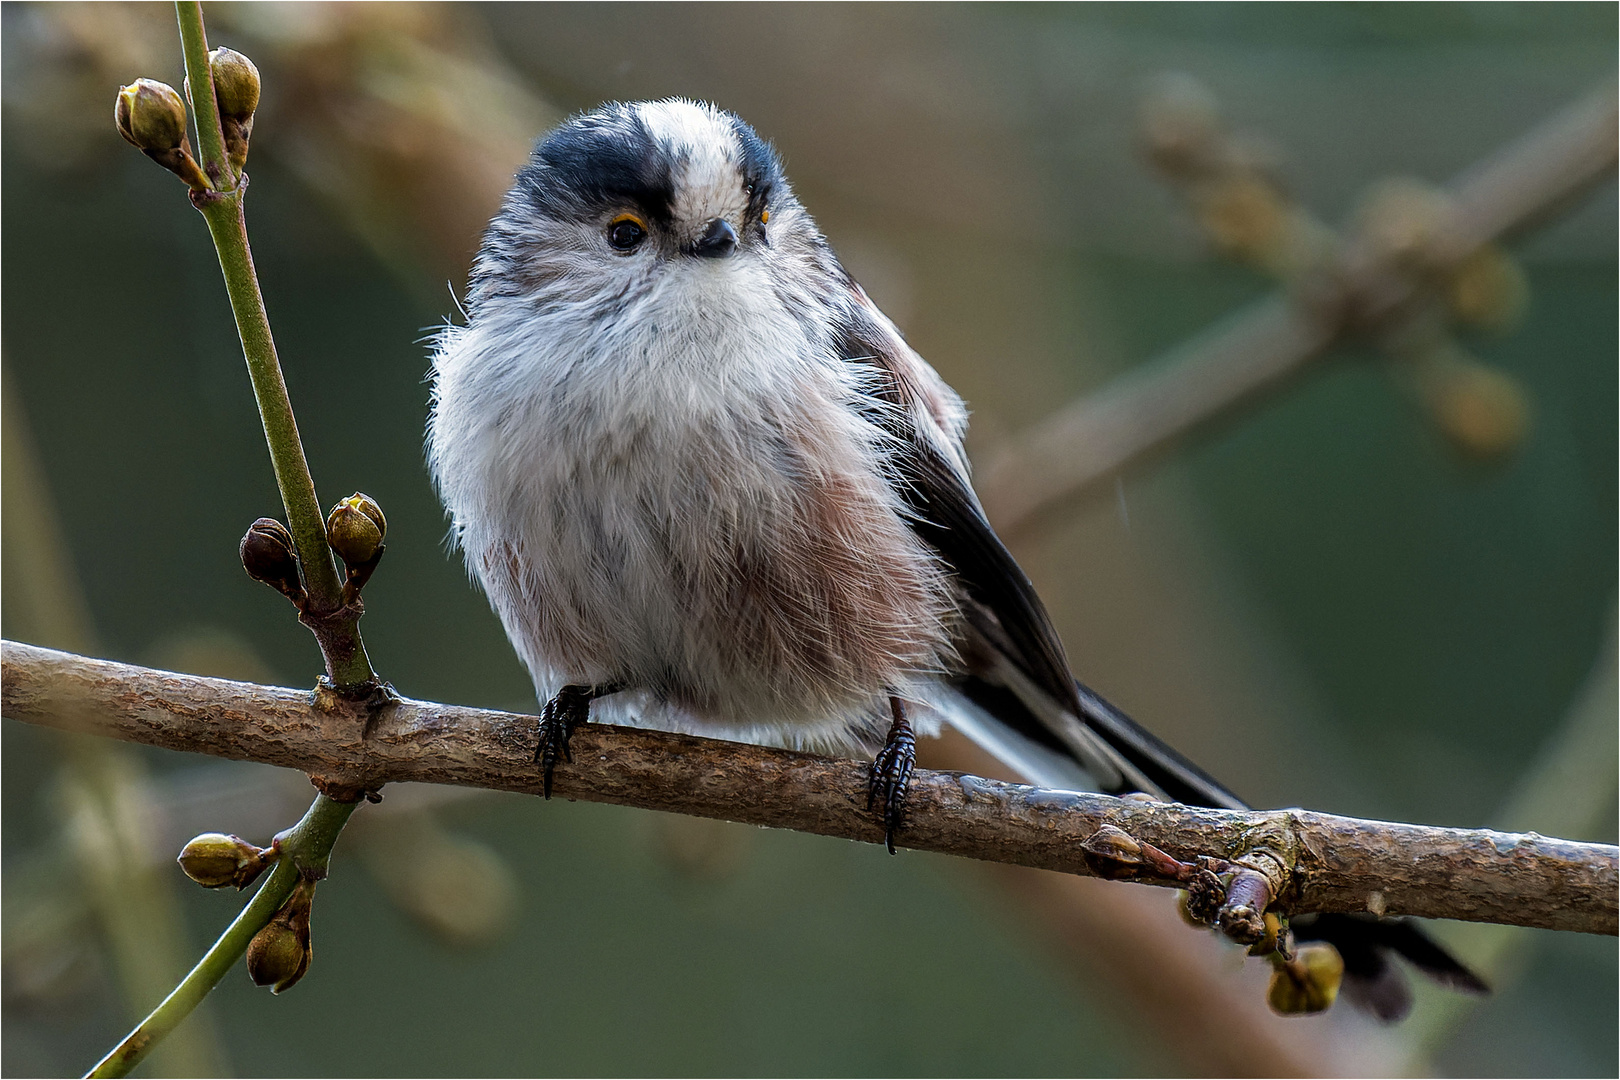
1341, 596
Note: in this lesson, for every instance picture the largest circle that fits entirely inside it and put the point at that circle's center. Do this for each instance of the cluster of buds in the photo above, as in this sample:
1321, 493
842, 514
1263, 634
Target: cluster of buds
1230, 179
152, 116
1404, 227
215, 860
279, 954
355, 528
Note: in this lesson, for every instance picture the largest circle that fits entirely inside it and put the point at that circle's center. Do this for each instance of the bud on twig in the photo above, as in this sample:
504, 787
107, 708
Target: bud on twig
279, 954
236, 83
355, 528
236, 92
268, 556
151, 116
214, 860
1309, 983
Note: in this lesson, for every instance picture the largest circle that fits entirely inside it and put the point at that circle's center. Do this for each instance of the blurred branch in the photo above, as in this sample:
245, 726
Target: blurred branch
105, 798
1313, 862
1364, 290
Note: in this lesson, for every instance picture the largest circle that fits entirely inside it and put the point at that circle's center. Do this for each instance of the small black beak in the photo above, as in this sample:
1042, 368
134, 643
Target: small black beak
717, 241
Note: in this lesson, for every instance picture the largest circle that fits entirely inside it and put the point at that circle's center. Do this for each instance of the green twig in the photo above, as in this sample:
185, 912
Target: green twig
335, 624
306, 849
200, 89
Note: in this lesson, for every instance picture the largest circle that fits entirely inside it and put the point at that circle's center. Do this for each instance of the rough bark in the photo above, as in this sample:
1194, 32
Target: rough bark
1327, 863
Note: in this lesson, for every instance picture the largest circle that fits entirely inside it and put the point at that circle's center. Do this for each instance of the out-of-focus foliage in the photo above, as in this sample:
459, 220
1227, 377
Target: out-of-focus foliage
1320, 601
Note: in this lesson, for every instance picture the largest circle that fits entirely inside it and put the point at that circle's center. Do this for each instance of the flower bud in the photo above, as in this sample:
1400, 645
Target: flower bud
214, 860
280, 953
355, 528
268, 556
151, 115
236, 84
1309, 983
1482, 411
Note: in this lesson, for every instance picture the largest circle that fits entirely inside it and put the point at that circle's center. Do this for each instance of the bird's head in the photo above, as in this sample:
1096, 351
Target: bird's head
617, 201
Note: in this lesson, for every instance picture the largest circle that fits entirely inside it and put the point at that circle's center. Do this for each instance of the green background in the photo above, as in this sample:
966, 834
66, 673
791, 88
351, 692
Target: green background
1403, 629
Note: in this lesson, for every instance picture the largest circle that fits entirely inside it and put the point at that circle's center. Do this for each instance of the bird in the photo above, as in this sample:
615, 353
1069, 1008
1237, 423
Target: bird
708, 487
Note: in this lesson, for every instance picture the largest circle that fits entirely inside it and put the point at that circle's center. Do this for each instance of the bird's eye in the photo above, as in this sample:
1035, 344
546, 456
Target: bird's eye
764, 217
626, 232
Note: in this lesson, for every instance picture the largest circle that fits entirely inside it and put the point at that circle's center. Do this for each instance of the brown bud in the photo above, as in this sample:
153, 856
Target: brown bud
1309, 983
268, 556
151, 115
214, 860
280, 953
355, 528
236, 83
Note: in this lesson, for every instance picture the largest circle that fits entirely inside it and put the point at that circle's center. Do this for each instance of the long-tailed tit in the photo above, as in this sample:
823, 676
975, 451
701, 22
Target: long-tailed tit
708, 487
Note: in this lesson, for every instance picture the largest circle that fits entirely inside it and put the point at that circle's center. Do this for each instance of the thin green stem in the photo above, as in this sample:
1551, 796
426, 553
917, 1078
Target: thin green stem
200, 84
346, 659
228, 227
306, 850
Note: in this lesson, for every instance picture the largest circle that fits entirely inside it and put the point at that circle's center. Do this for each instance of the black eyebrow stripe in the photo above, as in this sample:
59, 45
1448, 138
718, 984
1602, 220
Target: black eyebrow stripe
596, 160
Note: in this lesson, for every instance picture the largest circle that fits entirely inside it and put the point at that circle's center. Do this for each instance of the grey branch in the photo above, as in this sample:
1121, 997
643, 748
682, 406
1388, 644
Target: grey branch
1326, 863
1257, 349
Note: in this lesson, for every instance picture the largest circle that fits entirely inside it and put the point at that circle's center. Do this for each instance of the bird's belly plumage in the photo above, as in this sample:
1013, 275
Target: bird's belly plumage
648, 541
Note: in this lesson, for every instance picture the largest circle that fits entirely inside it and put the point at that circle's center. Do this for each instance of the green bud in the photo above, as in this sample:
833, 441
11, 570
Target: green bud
236, 83
1309, 983
355, 528
214, 860
368, 506
268, 556
151, 115
280, 953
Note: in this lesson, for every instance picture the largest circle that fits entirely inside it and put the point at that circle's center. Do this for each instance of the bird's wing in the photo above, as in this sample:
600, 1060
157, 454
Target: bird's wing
1018, 697
1017, 672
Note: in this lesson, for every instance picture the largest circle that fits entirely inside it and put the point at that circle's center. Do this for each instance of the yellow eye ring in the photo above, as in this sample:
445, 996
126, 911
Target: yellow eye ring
764, 217
627, 231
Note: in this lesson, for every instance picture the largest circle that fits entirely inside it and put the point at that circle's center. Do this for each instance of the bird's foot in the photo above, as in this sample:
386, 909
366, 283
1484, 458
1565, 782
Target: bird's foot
561, 715
891, 773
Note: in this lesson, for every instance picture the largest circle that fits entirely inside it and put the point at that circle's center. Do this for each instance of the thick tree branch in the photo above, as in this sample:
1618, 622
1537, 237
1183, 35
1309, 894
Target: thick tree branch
1324, 863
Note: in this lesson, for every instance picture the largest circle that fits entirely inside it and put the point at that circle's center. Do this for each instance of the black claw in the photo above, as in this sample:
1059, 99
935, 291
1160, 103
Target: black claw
890, 776
561, 715
558, 719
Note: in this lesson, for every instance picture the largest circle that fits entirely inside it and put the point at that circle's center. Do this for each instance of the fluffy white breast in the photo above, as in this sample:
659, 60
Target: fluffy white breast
672, 487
